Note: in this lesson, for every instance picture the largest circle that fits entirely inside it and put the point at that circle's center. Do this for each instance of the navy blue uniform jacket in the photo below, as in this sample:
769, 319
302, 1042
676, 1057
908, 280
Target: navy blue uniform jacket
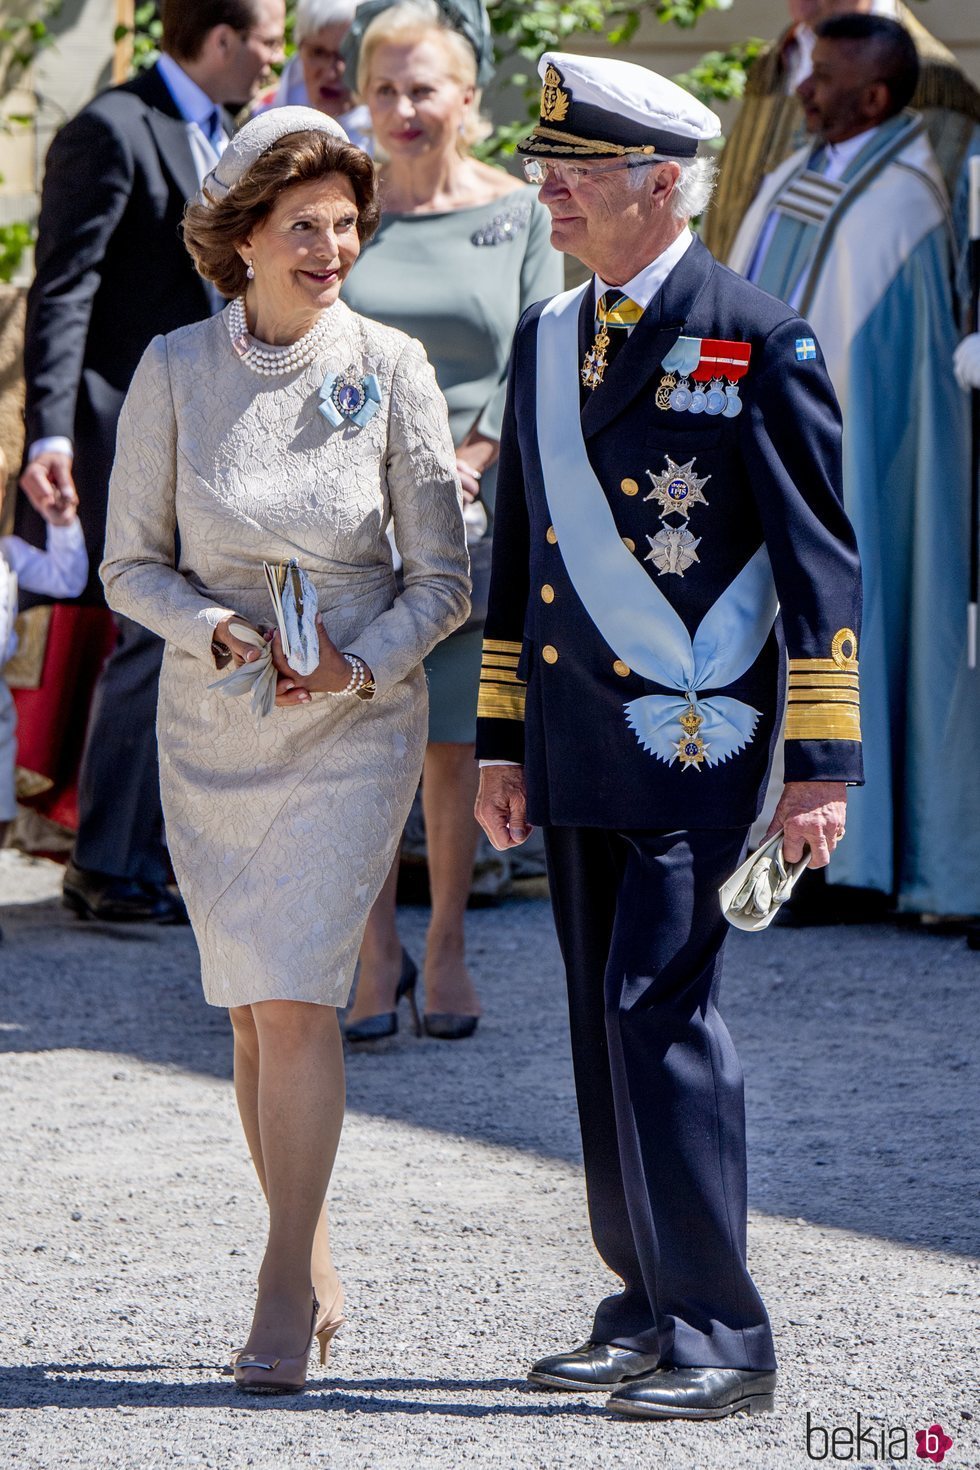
552, 691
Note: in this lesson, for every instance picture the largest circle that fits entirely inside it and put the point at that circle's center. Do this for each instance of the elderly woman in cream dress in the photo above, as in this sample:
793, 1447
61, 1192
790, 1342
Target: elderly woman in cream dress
236, 448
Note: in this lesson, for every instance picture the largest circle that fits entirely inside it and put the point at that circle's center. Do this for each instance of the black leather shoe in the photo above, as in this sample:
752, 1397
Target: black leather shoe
696, 1393
591, 1367
168, 907
101, 896
113, 900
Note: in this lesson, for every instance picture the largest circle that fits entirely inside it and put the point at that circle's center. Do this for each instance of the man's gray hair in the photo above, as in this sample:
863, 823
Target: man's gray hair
694, 187
313, 15
693, 190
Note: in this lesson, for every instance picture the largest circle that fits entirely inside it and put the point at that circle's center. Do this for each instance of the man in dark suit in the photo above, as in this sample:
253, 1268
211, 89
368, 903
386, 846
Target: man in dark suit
112, 272
669, 527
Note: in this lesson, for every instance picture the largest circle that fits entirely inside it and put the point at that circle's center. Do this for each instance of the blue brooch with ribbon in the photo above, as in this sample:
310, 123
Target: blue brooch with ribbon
350, 398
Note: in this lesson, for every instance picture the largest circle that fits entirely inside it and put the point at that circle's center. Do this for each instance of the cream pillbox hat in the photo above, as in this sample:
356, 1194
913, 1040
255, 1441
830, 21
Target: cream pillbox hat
256, 137
599, 107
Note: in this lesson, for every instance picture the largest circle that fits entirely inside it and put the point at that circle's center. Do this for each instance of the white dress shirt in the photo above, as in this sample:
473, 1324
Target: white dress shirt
641, 288
197, 110
59, 571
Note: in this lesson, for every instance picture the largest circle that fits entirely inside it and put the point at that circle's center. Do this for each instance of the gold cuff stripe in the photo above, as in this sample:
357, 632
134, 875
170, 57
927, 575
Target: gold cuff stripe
501, 645
500, 660
826, 681
823, 722
500, 704
500, 676
822, 666
821, 696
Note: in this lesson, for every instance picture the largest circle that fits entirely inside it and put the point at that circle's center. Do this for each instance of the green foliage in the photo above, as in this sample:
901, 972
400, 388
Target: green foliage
525, 30
15, 239
720, 75
146, 35
22, 36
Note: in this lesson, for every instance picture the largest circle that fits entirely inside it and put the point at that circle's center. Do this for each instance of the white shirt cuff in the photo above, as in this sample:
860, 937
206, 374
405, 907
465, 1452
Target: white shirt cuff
498, 763
53, 444
66, 538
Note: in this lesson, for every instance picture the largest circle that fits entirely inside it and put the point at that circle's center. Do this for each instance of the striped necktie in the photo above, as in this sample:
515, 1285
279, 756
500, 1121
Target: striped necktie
616, 311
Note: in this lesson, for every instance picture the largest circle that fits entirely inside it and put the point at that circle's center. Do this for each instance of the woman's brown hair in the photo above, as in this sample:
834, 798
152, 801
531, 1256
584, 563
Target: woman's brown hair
214, 230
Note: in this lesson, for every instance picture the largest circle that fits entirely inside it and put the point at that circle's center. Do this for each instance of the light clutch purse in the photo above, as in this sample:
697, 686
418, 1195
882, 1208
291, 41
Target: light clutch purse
294, 602
752, 896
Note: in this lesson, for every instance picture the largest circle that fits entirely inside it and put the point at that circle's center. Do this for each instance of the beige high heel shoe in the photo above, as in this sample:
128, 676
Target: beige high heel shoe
258, 1373
329, 1324
327, 1327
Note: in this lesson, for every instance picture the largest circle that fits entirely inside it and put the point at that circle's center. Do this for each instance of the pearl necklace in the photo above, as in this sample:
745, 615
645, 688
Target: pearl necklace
272, 361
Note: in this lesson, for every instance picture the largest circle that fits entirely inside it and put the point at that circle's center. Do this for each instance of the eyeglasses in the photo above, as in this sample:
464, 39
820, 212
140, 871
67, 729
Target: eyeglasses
536, 170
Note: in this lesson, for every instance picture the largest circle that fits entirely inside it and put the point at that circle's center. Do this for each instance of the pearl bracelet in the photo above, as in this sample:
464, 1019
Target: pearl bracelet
358, 677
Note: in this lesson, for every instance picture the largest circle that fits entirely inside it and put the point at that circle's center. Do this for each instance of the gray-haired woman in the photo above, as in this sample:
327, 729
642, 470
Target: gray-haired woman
317, 75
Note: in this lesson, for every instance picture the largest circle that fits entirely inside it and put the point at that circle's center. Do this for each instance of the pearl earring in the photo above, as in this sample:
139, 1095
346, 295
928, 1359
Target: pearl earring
250, 272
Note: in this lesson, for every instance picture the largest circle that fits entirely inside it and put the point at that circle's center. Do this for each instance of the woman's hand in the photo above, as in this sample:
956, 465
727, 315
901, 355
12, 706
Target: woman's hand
241, 652
331, 675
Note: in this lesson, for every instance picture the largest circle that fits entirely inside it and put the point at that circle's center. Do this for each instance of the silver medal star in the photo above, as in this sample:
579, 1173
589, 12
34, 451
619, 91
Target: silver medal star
673, 550
678, 488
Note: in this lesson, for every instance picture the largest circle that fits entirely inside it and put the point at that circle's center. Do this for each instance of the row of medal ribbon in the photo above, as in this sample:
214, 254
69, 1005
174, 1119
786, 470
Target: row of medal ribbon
716, 363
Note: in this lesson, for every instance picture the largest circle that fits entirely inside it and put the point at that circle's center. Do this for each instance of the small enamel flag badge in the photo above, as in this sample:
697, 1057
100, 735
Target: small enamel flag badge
806, 349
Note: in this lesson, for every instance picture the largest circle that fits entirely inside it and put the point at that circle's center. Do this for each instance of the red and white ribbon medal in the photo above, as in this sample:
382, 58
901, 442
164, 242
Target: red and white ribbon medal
721, 365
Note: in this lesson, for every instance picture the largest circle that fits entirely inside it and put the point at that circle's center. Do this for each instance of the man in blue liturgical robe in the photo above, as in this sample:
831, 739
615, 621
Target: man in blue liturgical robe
853, 232
669, 532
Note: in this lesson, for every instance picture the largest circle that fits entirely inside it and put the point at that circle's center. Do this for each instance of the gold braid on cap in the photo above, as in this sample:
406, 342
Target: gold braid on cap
569, 143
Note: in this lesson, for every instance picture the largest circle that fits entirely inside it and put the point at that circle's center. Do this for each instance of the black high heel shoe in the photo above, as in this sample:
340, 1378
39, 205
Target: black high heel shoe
378, 1028
447, 1026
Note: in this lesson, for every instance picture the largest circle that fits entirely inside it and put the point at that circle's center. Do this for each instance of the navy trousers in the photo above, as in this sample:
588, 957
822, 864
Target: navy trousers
120, 820
659, 1089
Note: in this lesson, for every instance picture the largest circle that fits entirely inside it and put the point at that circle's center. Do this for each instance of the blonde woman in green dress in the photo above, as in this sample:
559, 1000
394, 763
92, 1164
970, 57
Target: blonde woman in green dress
462, 251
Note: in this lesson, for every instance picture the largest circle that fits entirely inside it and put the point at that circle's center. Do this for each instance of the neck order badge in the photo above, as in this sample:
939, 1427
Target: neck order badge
719, 364
612, 310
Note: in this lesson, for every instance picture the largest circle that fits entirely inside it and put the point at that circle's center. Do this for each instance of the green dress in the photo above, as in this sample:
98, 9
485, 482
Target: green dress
460, 282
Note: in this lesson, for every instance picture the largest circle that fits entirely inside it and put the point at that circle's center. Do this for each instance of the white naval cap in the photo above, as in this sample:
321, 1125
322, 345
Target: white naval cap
257, 137
598, 107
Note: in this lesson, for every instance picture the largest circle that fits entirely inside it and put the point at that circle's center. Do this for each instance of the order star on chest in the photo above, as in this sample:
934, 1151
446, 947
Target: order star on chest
677, 488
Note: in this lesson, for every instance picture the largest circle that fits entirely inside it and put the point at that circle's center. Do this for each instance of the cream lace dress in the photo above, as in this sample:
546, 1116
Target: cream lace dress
281, 832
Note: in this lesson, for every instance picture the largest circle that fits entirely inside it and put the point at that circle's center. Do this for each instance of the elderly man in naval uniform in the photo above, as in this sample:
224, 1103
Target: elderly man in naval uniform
669, 533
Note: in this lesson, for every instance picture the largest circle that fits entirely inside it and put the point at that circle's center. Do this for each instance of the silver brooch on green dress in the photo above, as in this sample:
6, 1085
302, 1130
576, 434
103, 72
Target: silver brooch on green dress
506, 225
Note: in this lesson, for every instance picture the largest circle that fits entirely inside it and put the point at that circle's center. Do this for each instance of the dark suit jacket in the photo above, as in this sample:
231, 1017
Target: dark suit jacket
112, 272
775, 477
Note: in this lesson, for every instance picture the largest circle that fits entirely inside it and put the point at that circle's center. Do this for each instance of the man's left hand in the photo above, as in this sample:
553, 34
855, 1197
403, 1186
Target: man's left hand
811, 814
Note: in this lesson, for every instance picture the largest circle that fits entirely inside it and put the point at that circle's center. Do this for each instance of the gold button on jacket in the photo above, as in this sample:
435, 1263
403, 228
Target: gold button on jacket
547, 593
549, 654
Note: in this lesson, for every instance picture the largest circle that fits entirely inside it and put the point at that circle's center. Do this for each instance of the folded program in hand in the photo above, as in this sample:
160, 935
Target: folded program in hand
294, 603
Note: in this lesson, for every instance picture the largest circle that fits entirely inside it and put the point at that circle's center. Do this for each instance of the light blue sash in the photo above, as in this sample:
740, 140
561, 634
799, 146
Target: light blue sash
626, 605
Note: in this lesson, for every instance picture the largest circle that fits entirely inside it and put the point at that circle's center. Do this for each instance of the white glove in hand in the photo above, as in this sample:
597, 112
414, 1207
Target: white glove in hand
966, 362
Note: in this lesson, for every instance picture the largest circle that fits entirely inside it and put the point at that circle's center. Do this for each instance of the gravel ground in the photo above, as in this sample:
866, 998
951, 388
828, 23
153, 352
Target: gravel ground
131, 1226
